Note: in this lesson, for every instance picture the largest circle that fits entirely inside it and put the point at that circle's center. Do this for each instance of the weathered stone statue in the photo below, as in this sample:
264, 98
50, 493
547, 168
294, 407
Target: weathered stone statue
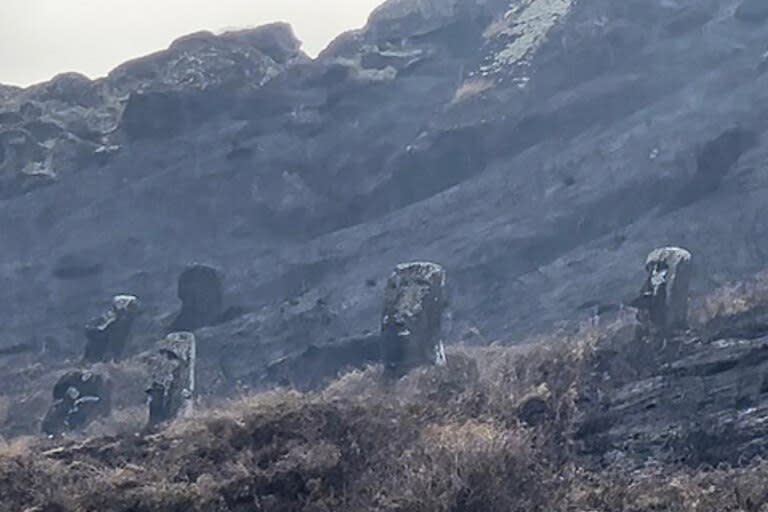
201, 292
79, 397
663, 302
414, 301
108, 335
171, 388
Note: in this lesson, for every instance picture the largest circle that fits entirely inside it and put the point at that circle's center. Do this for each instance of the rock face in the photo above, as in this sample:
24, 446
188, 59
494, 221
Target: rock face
688, 400
665, 294
23, 163
753, 11
535, 148
201, 293
108, 335
78, 398
414, 301
171, 389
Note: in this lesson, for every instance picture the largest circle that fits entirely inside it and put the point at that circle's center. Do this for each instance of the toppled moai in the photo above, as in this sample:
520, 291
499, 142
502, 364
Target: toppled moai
171, 388
79, 397
108, 334
201, 292
663, 301
414, 301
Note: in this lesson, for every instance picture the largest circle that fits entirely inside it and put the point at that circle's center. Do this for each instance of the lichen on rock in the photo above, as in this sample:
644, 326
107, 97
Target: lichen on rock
525, 26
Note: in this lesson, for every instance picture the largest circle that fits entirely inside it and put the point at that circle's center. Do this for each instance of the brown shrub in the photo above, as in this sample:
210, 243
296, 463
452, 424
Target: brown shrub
734, 299
441, 439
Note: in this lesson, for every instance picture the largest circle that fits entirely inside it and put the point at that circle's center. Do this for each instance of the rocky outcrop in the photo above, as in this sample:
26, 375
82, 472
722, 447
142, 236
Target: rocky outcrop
73, 119
686, 400
535, 149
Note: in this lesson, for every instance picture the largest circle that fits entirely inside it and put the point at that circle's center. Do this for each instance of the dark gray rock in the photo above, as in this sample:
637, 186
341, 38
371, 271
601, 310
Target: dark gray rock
108, 335
753, 11
154, 115
79, 397
23, 163
10, 118
76, 266
684, 401
71, 89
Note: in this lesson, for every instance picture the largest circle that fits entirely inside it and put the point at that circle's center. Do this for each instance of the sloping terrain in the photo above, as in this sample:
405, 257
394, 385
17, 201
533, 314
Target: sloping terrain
601, 420
538, 149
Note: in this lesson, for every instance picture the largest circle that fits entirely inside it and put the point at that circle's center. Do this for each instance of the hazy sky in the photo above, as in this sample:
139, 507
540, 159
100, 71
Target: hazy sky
40, 38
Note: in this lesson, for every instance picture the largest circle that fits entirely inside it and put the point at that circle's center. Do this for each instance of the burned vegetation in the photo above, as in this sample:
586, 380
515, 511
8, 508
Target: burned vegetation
656, 409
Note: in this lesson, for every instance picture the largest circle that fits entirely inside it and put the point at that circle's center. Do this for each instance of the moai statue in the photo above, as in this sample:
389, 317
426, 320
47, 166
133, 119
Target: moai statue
78, 398
414, 301
663, 302
108, 335
201, 292
171, 388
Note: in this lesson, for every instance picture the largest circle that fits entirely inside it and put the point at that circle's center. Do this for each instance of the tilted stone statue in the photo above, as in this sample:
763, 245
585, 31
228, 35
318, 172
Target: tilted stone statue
108, 335
79, 397
201, 291
414, 301
171, 388
664, 297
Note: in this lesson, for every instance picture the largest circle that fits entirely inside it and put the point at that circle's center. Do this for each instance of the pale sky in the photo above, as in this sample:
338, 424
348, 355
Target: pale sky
41, 38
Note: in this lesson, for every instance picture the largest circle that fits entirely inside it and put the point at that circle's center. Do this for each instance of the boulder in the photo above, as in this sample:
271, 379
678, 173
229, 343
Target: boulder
276, 40
171, 387
663, 301
108, 334
201, 292
79, 397
414, 301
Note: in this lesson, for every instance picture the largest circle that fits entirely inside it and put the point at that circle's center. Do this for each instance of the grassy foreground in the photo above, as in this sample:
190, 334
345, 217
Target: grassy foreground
440, 439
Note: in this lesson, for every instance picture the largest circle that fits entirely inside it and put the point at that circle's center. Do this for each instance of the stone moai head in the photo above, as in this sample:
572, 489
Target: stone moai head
108, 334
171, 387
666, 290
414, 301
201, 291
78, 398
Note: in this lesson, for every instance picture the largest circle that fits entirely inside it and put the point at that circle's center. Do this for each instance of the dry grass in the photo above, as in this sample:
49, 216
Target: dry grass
734, 299
471, 88
735, 309
440, 439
